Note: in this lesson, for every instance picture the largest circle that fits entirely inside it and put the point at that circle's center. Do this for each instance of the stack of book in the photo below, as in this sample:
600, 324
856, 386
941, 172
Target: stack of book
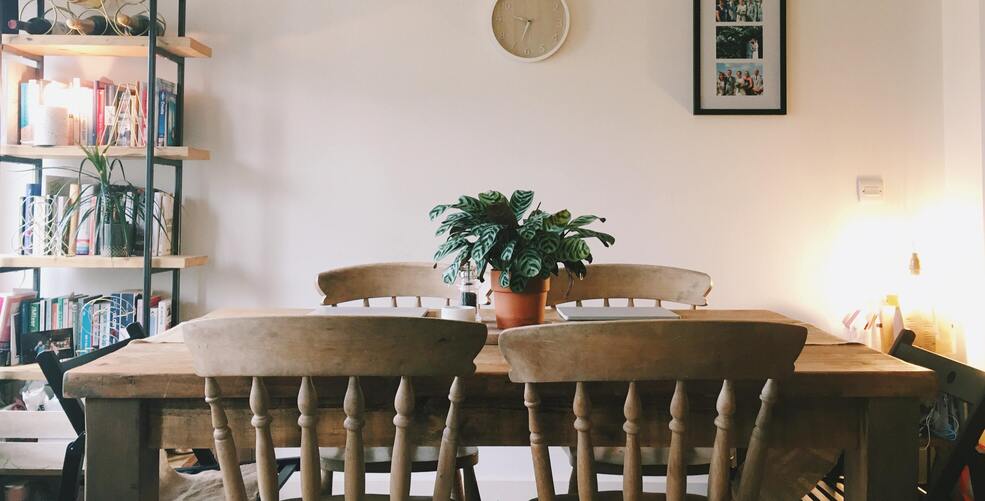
73, 324
62, 221
99, 111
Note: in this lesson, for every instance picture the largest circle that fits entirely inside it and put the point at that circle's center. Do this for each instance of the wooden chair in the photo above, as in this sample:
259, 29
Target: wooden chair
393, 281
641, 351
319, 346
633, 282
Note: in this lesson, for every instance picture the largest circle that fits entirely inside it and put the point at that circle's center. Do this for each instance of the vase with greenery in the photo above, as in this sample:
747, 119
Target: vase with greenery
523, 250
109, 204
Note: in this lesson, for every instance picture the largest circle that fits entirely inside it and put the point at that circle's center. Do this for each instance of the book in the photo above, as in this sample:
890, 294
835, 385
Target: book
73, 220
15, 73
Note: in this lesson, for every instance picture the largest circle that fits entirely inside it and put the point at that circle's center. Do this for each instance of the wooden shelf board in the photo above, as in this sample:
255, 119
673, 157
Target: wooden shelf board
101, 262
103, 45
168, 152
29, 372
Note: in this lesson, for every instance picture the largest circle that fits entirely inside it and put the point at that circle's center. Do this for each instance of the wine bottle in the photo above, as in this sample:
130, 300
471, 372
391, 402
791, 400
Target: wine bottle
137, 25
92, 25
36, 26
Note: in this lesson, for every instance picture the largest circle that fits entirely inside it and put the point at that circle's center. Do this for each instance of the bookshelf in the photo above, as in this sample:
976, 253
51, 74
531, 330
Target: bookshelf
106, 46
161, 152
174, 49
101, 262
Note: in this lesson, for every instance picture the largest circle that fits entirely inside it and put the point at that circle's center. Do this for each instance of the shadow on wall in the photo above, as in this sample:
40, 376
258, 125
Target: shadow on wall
671, 68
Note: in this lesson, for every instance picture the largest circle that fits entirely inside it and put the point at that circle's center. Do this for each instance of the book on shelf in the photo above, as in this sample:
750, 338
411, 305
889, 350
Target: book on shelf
99, 112
62, 219
72, 324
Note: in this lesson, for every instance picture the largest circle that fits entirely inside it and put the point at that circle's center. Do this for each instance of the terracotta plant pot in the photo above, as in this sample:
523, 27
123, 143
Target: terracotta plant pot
516, 309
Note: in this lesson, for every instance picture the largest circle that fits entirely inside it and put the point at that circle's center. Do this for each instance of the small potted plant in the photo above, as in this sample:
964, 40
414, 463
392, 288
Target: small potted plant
490, 231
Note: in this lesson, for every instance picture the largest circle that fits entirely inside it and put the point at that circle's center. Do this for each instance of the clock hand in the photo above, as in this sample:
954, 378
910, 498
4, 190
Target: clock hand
526, 28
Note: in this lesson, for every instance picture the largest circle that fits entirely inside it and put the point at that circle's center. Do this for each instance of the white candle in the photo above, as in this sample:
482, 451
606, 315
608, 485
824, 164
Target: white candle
50, 126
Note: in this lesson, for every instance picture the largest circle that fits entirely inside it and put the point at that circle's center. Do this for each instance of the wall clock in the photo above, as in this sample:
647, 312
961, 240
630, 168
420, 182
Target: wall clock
530, 30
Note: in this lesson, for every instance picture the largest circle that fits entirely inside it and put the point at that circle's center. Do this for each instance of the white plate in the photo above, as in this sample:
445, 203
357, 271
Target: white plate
575, 313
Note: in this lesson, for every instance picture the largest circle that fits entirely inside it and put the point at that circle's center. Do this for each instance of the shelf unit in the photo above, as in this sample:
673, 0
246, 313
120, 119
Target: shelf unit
174, 48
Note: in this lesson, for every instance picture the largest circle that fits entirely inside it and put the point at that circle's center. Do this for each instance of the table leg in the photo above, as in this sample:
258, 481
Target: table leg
884, 465
119, 464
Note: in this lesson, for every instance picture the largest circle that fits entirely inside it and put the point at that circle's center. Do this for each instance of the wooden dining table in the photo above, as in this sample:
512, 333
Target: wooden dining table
146, 397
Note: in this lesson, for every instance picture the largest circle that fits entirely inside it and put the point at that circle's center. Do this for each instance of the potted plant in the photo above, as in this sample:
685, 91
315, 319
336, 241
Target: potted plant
114, 215
523, 250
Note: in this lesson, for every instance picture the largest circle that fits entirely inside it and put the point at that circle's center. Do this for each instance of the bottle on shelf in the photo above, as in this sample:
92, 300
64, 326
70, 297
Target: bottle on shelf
92, 25
38, 26
137, 25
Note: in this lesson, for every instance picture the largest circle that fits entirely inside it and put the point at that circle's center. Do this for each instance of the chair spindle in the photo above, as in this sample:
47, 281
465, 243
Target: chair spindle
308, 422
676, 464
632, 472
587, 483
225, 446
718, 476
445, 479
403, 403
752, 469
538, 450
266, 461
355, 464
631, 302
393, 301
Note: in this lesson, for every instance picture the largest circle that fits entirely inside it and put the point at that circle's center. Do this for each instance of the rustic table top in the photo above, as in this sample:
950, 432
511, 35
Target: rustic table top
161, 367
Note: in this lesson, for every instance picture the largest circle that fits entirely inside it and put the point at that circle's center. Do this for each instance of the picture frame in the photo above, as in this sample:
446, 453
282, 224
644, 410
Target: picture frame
747, 38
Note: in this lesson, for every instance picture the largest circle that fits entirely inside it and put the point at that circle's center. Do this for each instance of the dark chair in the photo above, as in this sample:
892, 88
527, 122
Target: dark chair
54, 371
963, 383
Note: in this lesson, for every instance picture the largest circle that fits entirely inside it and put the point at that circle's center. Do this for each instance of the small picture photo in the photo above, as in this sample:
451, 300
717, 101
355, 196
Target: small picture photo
739, 79
739, 11
739, 42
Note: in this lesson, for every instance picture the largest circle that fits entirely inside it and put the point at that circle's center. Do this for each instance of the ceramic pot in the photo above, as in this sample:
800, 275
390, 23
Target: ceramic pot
516, 309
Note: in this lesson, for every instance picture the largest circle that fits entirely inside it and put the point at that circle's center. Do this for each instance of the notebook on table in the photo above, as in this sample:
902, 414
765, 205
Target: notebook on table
357, 311
575, 313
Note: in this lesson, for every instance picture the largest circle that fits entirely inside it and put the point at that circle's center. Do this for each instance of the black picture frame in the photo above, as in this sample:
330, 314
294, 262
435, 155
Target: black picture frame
699, 110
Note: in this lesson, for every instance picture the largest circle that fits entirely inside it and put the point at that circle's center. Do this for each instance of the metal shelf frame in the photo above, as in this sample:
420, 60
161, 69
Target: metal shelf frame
151, 160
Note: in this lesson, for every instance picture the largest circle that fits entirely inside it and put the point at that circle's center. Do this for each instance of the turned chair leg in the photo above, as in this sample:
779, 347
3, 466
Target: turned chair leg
326, 482
471, 484
573, 482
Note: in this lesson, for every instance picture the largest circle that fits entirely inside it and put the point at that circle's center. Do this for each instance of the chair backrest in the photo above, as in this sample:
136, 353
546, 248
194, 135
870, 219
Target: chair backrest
342, 346
392, 280
634, 281
653, 351
964, 383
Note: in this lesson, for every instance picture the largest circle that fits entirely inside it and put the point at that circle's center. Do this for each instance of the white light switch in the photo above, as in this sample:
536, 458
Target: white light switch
869, 188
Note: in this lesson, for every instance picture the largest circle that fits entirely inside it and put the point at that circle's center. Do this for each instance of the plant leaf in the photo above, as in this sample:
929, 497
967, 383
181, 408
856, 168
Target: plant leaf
518, 284
560, 218
469, 204
452, 245
528, 263
548, 243
504, 279
520, 201
492, 197
605, 238
573, 249
507, 253
584, 220
437, 211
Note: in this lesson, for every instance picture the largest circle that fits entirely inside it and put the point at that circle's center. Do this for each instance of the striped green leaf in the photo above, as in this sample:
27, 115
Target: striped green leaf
560, 218
605, 238
451, 245
518, 283
520, 201
492, 197
528, 263
573, 249
508, 249
486, 238
548, 243
437, 211
469, 204
504, 279
584, 220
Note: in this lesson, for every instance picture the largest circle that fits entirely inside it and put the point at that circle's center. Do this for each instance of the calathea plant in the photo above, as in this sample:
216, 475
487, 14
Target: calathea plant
491, 231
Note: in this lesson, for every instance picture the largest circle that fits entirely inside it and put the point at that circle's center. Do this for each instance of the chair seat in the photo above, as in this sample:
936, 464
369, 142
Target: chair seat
617, 496
202, 486
378, 458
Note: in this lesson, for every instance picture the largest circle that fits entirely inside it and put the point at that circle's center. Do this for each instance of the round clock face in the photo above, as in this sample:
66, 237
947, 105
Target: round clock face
530, 30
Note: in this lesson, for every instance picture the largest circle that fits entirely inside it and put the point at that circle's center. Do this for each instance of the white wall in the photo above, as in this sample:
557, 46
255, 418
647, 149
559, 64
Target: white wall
335, 126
